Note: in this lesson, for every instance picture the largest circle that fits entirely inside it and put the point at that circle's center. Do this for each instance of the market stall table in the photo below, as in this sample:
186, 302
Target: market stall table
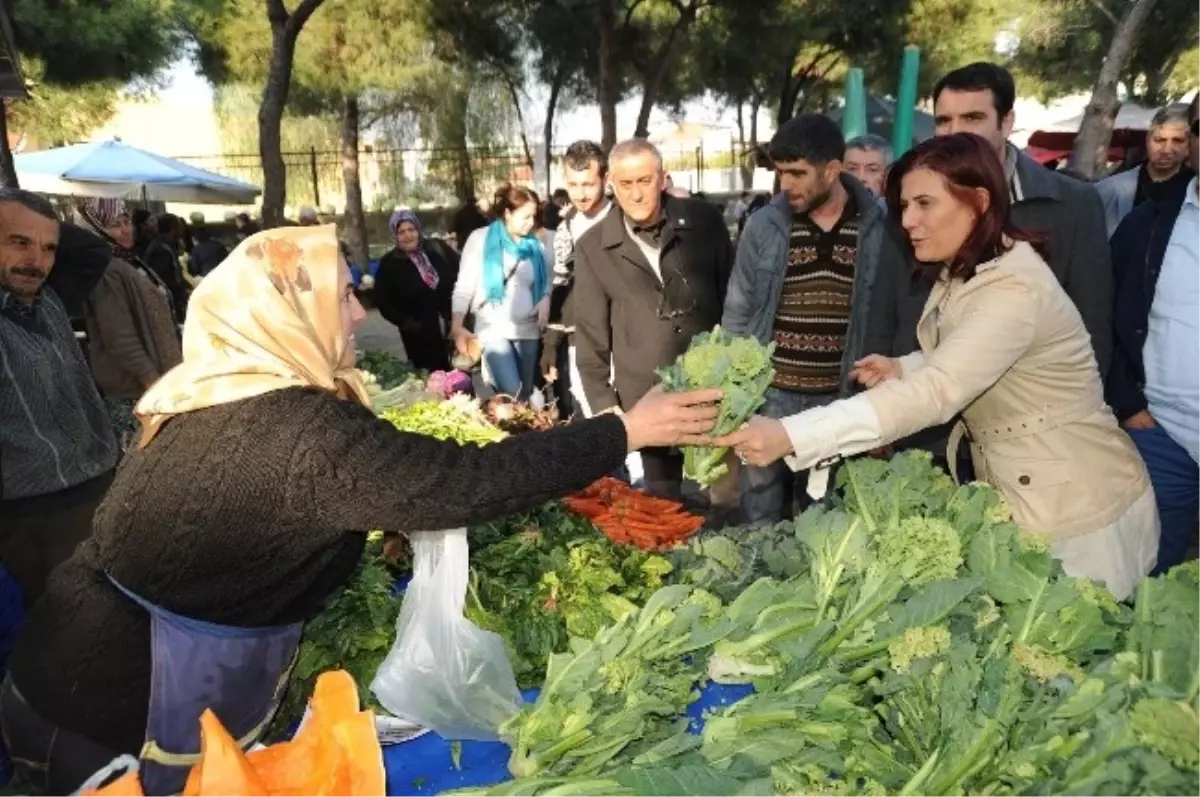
425, 765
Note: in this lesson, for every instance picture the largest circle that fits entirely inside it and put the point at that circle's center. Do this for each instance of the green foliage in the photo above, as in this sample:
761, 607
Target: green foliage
80, 41
458, 419
353, 632
543, 577
1063, 43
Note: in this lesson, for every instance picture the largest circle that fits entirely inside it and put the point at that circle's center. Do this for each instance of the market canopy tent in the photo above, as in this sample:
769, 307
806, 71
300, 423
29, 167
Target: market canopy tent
113, 169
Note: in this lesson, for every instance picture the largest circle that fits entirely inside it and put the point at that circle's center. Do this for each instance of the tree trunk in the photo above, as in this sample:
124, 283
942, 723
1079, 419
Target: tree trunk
749, 151
607, 90
745, 167
284, 30
8, 169
1095, 131
355, 221
464, 178
548, 126
515, 96
663, 61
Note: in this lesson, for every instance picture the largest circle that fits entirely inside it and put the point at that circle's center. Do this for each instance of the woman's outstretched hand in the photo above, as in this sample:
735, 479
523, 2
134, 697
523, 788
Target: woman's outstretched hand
875, 369
672, 419
759, 442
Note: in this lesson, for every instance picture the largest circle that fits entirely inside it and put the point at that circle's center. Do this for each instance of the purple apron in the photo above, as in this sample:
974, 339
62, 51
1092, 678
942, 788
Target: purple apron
240, 673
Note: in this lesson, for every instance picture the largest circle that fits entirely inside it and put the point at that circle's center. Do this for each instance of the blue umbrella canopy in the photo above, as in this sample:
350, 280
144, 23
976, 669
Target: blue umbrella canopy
114, 169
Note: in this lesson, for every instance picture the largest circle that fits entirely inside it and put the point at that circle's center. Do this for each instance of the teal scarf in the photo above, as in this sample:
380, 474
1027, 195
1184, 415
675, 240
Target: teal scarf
499, 242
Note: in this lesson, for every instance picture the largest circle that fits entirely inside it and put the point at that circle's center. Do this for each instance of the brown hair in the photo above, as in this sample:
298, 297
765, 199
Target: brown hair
509, 197
967, 162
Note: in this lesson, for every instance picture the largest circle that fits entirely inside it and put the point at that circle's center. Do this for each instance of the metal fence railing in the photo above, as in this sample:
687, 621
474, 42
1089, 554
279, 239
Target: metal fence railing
391, 177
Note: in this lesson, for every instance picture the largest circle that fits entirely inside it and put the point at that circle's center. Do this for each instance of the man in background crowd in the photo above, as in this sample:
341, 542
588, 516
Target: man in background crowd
143, 230
1165, 175
806, 265
245, 226
868, 158
1154, 384
467, 219
162, 256
648, 278
57, 450
979, 99
585, 170
207, 253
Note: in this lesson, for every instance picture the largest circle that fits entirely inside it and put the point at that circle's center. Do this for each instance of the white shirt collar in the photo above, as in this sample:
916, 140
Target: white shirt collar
1189, 197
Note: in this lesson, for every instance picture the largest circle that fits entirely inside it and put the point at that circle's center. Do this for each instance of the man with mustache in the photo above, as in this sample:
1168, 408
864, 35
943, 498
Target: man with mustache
57, 451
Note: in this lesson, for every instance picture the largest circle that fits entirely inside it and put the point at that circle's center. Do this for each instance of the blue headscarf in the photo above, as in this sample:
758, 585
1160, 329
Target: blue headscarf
495, 245
401, 216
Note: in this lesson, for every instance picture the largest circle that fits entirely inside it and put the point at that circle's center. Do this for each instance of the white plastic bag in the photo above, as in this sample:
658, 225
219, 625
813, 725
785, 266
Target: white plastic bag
444, 672
120, 766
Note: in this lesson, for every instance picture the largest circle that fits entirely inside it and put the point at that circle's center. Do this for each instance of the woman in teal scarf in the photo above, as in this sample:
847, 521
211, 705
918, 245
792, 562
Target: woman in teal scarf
504, 280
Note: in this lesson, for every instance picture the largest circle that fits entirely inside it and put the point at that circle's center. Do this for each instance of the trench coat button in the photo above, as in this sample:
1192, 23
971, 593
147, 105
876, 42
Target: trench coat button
678, 330
1024, 481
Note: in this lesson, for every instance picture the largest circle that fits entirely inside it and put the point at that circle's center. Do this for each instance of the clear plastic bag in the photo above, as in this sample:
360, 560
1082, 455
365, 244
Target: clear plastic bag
444, 672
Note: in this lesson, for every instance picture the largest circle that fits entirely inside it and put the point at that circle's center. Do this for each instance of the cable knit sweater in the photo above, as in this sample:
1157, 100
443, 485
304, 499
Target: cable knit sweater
252, 514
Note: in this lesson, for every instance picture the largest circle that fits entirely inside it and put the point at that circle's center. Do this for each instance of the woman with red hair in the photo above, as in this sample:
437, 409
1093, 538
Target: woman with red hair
1002, 346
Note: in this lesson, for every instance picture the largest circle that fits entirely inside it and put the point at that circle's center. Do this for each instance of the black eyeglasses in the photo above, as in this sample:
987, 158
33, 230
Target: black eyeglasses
670, 315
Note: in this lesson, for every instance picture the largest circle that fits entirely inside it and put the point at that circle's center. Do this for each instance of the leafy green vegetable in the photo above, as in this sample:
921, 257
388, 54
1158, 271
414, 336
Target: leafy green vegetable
540, 578
388, 369
741, 367
457, 418
353, 632
615, 697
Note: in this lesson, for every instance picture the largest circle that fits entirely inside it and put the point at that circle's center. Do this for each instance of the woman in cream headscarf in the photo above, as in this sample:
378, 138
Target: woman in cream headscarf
259, 470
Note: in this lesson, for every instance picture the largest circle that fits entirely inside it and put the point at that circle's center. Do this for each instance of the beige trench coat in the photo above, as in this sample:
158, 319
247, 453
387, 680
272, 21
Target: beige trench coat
1008, 350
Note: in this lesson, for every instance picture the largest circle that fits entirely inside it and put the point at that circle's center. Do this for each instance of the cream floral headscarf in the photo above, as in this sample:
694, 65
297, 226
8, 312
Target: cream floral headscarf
268, 318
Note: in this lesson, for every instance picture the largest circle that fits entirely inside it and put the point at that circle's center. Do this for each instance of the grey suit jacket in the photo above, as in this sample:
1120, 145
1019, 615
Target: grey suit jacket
1117, 193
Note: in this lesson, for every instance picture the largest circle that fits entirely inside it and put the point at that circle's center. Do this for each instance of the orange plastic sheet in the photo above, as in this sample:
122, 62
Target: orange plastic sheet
336, 752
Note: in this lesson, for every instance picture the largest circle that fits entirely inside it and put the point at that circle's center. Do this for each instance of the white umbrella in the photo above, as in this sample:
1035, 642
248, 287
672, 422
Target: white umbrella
113, 169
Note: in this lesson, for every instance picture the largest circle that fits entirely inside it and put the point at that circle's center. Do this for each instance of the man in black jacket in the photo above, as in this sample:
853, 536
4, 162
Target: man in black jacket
162, 256
648, 278
979, 99
1154, 383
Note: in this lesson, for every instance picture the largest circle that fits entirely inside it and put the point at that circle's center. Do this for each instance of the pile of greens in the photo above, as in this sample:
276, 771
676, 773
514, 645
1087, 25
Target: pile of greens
740, 366
353, 632
539, 578
388, 370
908, 639
457, 418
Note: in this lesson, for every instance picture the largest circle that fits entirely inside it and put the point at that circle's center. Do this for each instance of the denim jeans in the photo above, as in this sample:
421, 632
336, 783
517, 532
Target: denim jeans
510, 366
1176, 480
768, 493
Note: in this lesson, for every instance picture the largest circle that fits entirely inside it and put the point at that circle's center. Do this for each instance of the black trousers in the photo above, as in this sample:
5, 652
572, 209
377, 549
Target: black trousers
32, 546
662, 469
49, 757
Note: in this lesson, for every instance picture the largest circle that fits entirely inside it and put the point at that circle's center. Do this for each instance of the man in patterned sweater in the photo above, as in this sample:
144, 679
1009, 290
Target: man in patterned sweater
806, 264
57, 450
585, 170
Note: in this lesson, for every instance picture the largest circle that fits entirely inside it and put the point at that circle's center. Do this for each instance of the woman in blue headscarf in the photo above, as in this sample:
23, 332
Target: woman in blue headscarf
504, 280
412, 290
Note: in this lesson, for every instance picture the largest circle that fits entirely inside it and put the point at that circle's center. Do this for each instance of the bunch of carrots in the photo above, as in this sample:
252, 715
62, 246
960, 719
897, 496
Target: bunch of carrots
627, 515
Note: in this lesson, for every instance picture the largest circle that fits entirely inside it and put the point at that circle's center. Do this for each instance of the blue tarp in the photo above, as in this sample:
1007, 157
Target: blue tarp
424, 765
110, 168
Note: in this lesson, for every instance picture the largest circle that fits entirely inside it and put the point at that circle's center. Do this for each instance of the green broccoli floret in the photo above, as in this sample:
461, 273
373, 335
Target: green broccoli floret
1043, 666
1096, 594
918, 643
921, 549
1032, 542
1169, 727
